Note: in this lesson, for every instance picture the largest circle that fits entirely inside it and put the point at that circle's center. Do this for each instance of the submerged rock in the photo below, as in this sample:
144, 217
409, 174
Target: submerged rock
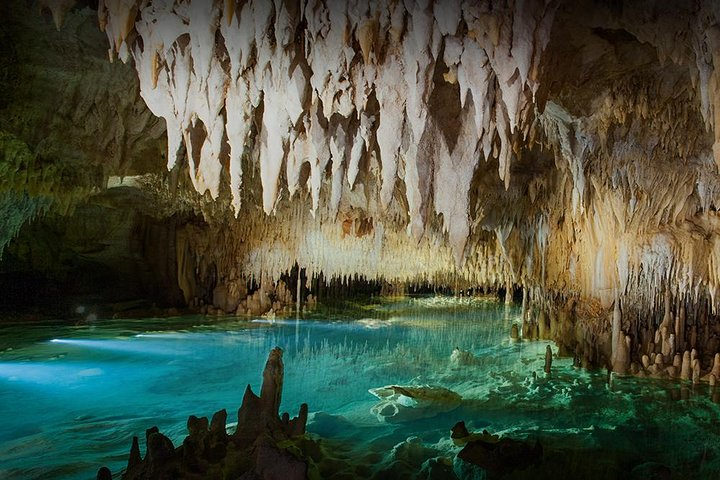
461, 358
405, 403
461, 436
459, 431
502, 456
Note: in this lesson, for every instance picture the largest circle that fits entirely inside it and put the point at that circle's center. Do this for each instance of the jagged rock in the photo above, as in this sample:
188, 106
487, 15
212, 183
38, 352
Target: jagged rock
208, 452
160, 454
134, 458
459, 431
194, 446
218, 422
197, 427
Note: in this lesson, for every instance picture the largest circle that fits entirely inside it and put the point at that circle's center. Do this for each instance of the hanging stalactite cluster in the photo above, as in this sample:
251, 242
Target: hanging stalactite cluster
569, 148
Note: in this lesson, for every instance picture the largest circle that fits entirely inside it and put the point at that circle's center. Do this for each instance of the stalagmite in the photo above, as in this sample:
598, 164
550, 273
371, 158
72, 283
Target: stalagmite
514, 332
645, 362
680, 328
696, 371
616, 324
527, 329
686, 368
716, 366
208, 445
548, 359
659, 360
298, 301
621, 363
542, 325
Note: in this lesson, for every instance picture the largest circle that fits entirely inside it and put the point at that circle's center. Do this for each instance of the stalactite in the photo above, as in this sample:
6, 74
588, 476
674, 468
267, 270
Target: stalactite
207, 92
430, 142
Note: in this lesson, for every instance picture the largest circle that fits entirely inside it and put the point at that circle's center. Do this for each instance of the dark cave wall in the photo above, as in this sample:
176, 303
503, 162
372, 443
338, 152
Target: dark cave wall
104, 255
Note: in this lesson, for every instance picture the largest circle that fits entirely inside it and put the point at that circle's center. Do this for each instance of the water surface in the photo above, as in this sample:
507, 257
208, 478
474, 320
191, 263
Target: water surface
72, 397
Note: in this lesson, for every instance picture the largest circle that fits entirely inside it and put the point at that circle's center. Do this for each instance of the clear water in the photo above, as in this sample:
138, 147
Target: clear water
72, 397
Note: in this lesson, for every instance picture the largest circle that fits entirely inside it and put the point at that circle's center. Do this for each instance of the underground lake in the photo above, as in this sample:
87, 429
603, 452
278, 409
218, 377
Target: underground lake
452, 239
72, 397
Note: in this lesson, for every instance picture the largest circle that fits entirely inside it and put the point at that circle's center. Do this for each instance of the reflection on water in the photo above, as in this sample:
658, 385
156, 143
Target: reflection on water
71, 398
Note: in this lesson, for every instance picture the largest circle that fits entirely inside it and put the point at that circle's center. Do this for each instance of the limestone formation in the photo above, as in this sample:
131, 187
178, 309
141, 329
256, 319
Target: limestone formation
259, 446
548, 359
686, 367
621, 364
565, 149
104, 474
514, 332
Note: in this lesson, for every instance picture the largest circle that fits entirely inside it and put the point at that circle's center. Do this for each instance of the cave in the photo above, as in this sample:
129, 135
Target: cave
464, 239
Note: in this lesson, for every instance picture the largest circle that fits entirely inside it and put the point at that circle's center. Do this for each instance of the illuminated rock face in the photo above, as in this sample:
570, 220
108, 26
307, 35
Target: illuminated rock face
568, 147
410, 103
333, 85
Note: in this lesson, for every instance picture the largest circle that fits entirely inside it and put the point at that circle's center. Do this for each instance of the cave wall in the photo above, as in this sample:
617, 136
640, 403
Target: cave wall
106, 258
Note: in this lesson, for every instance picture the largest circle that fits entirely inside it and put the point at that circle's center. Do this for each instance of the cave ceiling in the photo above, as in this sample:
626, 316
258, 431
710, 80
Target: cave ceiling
571, 147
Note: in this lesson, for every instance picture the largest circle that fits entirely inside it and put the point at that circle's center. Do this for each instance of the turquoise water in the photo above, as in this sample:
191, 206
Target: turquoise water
72, 397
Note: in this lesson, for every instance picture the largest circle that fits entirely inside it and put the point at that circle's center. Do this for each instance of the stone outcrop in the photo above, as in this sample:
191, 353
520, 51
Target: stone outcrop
260, 447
